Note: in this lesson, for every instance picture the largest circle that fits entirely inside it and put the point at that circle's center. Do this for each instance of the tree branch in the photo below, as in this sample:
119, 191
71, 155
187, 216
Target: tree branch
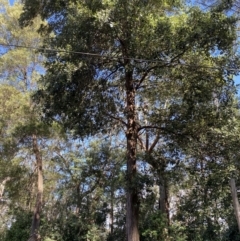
145, 75
118, 119
141, 143
150, 127
157, 66
154, 143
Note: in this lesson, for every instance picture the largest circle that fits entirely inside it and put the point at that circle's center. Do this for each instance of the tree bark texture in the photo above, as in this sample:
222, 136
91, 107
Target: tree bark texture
235, 202
131, 135
34, 235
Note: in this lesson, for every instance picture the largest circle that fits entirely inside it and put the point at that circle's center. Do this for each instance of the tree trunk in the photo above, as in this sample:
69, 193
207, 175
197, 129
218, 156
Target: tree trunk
2, 186
131, 135
235, 202
34, 235
111, 210
163, 199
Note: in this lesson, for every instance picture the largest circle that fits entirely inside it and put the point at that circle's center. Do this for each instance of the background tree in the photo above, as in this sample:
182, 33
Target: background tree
20, 67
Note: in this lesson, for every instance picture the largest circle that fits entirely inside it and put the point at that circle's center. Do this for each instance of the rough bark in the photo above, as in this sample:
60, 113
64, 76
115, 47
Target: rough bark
131, 135
34, 235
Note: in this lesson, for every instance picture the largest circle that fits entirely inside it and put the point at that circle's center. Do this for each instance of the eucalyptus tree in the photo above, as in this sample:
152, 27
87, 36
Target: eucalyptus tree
202, 200
84, 202
12, 105
21, 67
16, 148
109, 57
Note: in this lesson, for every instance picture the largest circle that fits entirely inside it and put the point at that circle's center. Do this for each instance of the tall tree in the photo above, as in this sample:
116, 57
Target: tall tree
109, 55
21, 67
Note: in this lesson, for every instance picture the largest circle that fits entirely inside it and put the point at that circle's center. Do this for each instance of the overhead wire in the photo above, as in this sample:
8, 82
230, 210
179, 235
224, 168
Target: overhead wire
114, 58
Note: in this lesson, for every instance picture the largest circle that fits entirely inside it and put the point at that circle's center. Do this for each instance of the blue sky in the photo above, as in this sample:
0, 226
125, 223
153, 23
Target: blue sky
237, 82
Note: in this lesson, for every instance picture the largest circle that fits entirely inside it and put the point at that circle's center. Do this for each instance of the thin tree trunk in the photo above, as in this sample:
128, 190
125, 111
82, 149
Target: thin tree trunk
2, 186
111, 211
235, 202
131, 135
34, 235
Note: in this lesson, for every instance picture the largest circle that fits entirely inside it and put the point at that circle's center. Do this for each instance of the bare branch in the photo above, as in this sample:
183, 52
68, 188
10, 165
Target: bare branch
145, 75
141, 143
118, 119
154, 143
168, 64
150, 127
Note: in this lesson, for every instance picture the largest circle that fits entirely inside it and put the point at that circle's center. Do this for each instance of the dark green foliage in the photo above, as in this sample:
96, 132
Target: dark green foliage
74, 229
154, 227
232, 233
181, 63
20, 226
86, 92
